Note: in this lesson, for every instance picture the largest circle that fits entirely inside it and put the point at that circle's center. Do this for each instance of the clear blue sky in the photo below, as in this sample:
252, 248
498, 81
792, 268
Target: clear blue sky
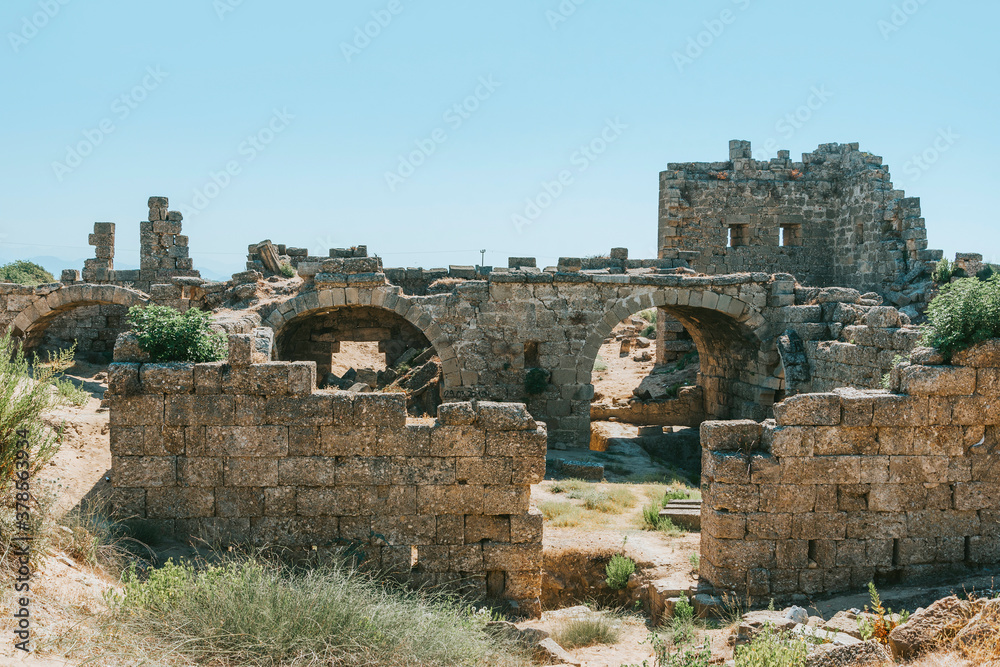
162, 95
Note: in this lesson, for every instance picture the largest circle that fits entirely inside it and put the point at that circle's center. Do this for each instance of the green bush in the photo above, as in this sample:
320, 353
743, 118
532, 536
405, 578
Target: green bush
169, 335
287, 270
251, 612
23, 272
986, 272
964, 313
942, 272
772, 649
649, 331
618, 570
649, 315
536, 380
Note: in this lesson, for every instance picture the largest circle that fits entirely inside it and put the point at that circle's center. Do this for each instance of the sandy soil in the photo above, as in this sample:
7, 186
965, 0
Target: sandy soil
358, 355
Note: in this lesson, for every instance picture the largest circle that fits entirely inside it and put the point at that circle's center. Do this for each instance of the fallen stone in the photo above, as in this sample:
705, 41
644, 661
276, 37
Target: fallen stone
982, 633
927, 628
797, 614
642, 342
845, 622
548, 652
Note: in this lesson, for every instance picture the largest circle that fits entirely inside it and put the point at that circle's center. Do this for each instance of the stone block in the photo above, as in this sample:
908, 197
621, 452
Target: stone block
190, 410
250, 472
808, 410
179, 503
450, 529
312, 410
170, 378
123, 379
343, 441
139, 410
732, 436
384, 410
483, 470
528, 470
462, 441
199, 471
456, 414
506, 499
208, 377
938, 380
494, 416
451, 499
143, 471
516, 443
334, 501
526, 528
406, 530
259, 379
239, 502
247, 441
307, 471
512, 557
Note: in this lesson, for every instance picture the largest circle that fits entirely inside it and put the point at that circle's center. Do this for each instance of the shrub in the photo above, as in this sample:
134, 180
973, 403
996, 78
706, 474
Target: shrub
649, 331
695, 560
536, 380
287, 270
965, 312
249, 612
882, 621
649, 315
942, 272
587, 630
675, 493
651, 520
985, 273
618, 570
25, 393
772, 649
23, 272
169, 335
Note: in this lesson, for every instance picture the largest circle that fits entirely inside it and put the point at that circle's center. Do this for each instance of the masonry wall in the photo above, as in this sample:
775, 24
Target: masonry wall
851, 486
844, 223
253, 453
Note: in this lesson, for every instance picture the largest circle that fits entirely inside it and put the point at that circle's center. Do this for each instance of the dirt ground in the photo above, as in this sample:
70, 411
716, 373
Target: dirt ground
624, 374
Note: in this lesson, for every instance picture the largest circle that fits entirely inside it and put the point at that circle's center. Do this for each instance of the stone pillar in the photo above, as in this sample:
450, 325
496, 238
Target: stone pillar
101, 268
163, 250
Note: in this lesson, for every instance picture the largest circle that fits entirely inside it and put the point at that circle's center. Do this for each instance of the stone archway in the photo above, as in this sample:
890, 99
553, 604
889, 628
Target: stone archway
389, 298
31, 323
737, 379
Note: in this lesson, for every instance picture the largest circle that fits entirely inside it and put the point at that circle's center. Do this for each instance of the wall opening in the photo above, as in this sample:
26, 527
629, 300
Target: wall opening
366, 348
791, 235
531, 354
739, 235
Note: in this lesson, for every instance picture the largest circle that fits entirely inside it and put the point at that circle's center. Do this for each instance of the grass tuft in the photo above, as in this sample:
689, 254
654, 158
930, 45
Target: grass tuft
588, 630
561, 514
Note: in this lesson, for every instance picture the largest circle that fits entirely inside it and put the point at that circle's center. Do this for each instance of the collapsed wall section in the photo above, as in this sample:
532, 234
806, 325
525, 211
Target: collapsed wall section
852, 486
245, 452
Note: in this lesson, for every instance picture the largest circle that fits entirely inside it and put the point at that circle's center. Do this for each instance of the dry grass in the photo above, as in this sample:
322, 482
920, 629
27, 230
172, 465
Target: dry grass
561, 514
587, 630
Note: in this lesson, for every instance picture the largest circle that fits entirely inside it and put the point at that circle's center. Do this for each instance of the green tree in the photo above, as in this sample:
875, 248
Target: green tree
24, 272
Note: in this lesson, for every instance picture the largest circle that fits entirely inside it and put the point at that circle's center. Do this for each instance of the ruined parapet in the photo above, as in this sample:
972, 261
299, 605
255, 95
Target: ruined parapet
833, 218
851, 486
100, 268
249, 452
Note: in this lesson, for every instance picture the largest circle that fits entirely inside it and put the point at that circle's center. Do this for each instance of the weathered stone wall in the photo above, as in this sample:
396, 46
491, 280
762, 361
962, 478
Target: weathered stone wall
93, 328
832, 219
851, 486
252, 453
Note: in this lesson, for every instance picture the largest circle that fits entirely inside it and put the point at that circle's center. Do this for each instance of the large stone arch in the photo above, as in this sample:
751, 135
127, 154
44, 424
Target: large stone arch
738, 376
389, 298
31, 323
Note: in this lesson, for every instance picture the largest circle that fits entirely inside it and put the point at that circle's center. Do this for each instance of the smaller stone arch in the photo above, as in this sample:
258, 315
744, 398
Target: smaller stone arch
729, 334
31, 323
389, 298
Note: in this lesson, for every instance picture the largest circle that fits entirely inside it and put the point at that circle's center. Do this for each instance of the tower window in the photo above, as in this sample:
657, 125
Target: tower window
739, 235
791, 235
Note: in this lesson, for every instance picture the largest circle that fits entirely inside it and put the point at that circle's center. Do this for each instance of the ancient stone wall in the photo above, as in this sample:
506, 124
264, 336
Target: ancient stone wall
251, 452
832, 219
851, 486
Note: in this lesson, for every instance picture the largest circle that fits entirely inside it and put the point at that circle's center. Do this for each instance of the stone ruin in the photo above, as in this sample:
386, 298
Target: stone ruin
787, 278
